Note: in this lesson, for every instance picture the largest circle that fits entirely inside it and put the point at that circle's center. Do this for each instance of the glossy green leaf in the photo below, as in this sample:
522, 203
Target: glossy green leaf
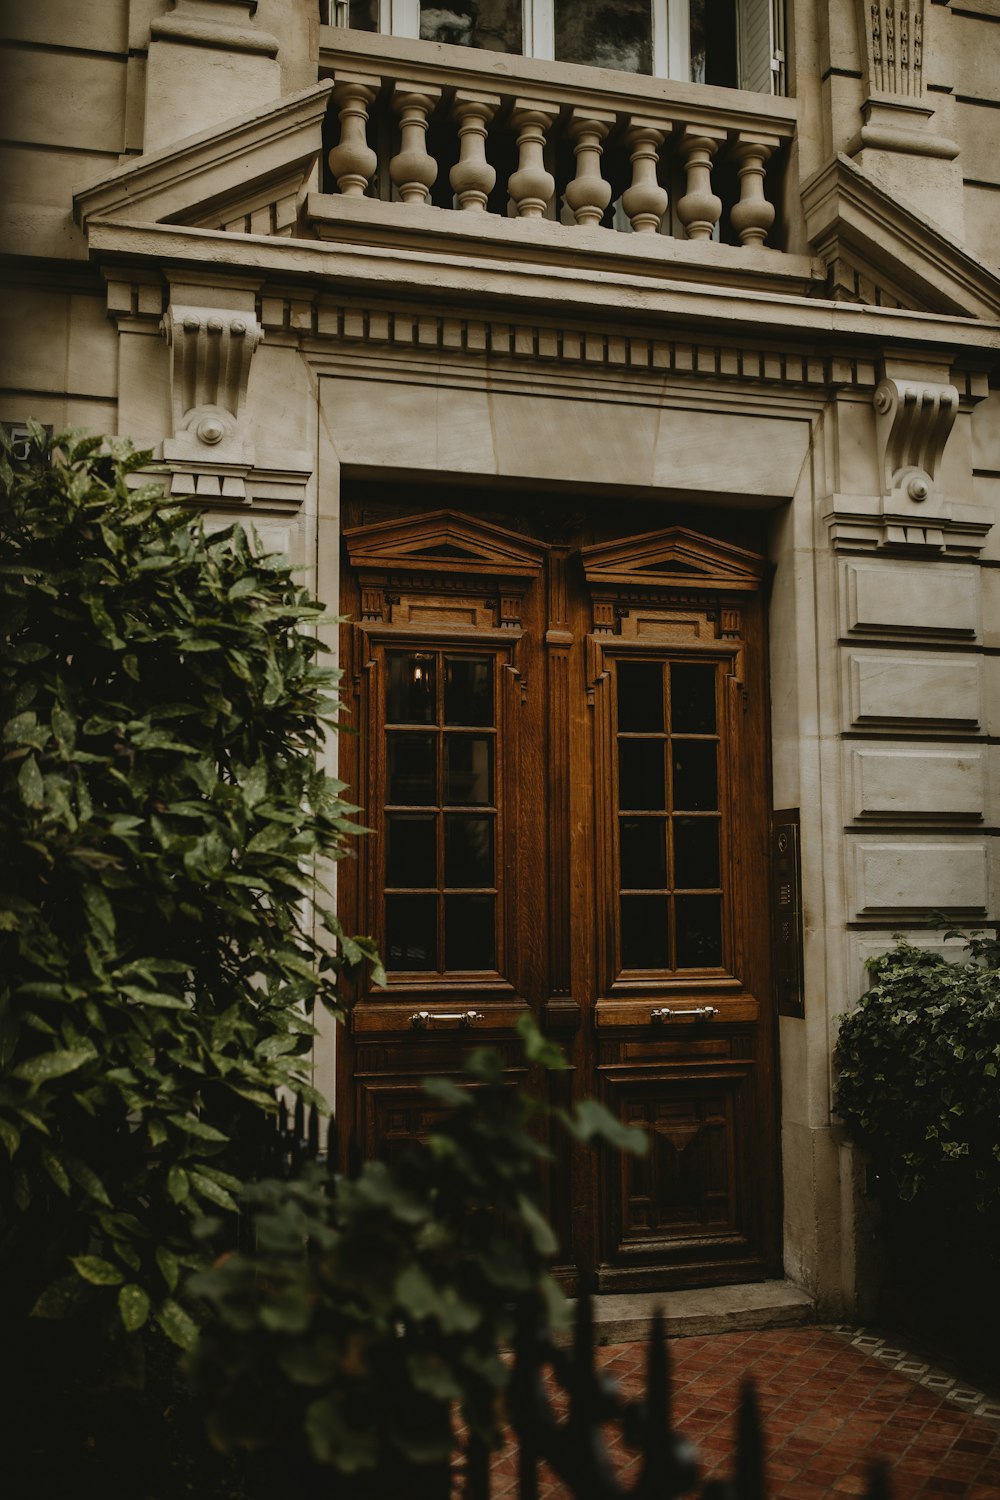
133, 1305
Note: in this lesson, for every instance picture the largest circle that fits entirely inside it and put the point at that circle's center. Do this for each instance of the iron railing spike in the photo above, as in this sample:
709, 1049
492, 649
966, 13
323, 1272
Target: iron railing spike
749, 1446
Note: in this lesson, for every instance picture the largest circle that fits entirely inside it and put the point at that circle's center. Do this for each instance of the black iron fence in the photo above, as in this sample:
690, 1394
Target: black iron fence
564, 1412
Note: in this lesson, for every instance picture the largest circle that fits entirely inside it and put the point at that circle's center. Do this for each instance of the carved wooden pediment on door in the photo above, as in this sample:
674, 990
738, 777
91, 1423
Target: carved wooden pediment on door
675, 558
482, 569
637, 583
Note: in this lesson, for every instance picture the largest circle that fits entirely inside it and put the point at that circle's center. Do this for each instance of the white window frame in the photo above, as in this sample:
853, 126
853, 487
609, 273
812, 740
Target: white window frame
671, 32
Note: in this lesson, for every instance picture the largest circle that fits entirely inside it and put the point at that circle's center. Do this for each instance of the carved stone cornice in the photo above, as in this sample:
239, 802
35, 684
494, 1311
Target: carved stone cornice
858, 525
848, 214
226, 24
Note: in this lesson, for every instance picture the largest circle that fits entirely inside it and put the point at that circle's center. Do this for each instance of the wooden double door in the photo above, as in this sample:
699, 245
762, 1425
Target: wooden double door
561, 752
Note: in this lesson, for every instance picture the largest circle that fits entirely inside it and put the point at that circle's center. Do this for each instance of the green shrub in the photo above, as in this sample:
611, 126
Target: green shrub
918, 1065
163, 711
371, 1308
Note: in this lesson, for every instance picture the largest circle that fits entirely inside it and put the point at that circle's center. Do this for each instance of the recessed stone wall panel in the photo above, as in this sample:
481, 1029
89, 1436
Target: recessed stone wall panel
902, 877
916, 692
902, 783
909, 599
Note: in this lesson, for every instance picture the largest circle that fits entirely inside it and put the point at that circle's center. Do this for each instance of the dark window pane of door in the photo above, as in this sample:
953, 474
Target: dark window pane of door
410, 850
362, 15
411, 932
696, 853
645, 932
643, 853
641, 783
468, 850
699, 931
468, 769
412, 774
640, 697
695, 781
692, 699
470, 941
468, 690
410, 698
605, 33
493, 24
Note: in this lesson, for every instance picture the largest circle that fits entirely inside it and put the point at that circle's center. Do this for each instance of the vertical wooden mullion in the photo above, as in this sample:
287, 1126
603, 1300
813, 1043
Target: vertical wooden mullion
439, 850
668, 765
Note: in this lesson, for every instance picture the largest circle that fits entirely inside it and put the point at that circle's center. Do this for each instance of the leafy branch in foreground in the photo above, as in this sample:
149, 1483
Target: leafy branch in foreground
164, 714
370, 1308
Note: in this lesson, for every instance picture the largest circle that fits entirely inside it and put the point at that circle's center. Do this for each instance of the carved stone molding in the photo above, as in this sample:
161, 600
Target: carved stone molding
210, 354
913, 420
396, 330
892, 42
210, 456
857, 524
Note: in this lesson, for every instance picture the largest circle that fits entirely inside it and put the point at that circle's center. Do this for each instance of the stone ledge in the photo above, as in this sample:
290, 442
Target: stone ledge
621, 1318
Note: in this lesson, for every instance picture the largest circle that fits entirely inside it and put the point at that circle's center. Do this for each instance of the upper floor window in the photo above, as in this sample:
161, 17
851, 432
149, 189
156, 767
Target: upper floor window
731, 43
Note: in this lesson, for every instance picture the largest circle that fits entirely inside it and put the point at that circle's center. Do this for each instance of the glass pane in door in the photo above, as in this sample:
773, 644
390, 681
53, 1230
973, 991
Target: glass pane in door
605, 33
493, 24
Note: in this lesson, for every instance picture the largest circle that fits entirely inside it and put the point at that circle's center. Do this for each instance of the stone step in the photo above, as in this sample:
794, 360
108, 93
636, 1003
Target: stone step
622, 1318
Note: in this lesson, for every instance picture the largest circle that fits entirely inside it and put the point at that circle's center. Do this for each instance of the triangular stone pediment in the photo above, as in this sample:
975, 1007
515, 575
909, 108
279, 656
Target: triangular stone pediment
445, 541
246, 175
672, 558
882, 252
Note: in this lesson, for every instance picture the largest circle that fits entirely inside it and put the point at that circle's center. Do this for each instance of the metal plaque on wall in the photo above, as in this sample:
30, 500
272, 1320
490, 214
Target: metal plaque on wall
786, 912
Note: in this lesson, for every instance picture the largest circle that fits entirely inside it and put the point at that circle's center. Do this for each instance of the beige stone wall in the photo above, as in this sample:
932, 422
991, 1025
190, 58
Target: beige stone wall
975, 26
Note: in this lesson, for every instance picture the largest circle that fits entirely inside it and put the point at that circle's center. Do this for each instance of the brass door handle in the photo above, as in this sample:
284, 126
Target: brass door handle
696, 1013
421, 1019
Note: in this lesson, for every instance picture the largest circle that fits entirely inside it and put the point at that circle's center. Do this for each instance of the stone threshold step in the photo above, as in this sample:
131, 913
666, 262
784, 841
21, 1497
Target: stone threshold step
623, 1318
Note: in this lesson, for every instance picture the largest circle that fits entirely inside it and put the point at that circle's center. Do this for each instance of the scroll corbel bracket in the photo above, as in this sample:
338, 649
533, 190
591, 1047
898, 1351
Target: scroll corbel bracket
211, 350
913, 420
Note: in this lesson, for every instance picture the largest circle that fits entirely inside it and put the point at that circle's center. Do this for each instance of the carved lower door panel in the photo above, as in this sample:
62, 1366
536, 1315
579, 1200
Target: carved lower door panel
685, 1211
561, 752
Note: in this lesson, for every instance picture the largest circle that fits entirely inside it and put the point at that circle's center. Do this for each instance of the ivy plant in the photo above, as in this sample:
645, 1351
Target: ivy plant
371, 1309
164, 711
918, 1063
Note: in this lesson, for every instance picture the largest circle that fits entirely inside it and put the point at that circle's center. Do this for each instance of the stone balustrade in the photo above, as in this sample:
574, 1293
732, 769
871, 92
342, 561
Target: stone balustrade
581, 147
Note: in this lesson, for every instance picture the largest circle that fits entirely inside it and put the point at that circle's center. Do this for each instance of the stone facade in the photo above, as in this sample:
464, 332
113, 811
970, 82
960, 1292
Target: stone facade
260, 245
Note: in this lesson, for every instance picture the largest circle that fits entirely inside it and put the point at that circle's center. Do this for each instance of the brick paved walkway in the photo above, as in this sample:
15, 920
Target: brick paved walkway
829, 1407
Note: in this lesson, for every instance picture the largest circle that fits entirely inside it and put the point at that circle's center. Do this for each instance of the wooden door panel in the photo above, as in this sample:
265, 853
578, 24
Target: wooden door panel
684, 1211
391, 1111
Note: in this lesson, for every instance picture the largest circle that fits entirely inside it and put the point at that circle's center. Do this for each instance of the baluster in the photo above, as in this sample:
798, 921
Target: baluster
531, 187
588, 195
353, 162
413, 169
645, 201
472, 178
752, 216
699, 209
